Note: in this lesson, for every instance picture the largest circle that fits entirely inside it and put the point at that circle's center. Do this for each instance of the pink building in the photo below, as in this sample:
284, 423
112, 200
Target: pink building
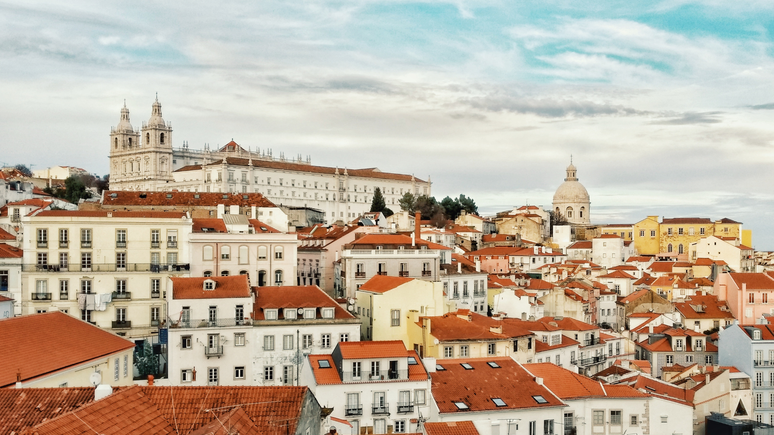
749, 295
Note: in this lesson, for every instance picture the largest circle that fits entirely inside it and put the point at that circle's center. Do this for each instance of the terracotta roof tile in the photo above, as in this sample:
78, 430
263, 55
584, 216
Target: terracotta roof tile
569, 324
59, 341
687, 220
704, 307
568, 385
305, 296
393, 240
144, 214
451, 428
236, 286
113, 198
476, 387
384, 283
754, 281
372, 349
27, 407
544, 347
8, 251
618, 274
582, 244
5, 235
461, 326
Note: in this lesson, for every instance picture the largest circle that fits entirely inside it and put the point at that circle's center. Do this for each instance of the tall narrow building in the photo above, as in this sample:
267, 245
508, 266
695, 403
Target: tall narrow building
141, 161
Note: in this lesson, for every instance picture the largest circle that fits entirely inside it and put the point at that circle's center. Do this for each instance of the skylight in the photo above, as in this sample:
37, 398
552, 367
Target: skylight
439, 368
324, 364
467, 366
540, 399
412, 361
461, 406
493, 365
498, 401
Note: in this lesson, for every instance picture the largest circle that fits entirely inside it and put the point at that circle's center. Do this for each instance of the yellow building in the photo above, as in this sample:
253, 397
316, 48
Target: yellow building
646, 236
673, 236
387, 305
624, 231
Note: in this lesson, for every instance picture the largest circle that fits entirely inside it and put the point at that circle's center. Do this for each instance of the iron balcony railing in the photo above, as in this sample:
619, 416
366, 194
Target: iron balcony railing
207, 323
63, 243
106, 267
41, 296
85, 243
121, 324
351, 410
405, 407
381, 409
381, 376
42, 243
591, 341
172, 244
761, 363
589, 361
403, 273
155, 244
213, 351
120, 243
360, 275
155, 294
122, 295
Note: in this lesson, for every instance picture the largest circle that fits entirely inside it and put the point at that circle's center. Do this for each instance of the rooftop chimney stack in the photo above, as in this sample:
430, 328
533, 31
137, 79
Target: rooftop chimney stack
417, 218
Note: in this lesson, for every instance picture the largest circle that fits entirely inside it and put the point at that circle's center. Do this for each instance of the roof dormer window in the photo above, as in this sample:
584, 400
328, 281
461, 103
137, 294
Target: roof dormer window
209, 284
327, 313
270, 314
756, 334
290, 313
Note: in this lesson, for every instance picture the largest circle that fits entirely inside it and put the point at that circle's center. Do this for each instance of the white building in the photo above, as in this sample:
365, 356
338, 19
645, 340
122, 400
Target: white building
58, 172
738, 257
610, 250
109, 268
11, 259
209, 331
376, 386
290, 323
464, 287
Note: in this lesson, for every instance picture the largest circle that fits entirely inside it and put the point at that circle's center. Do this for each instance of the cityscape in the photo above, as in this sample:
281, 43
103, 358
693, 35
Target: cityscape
423, 217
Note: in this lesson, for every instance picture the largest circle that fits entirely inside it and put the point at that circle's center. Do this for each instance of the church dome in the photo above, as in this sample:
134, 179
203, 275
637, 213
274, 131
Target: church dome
156, 120
124, 124
572, 200
571, 191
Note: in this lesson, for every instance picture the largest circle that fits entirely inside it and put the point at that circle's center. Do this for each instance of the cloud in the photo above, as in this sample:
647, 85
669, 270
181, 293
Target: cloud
692, 118
549, 108
768, 106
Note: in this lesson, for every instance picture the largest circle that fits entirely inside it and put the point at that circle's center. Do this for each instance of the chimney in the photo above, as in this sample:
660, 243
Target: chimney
459, 267
706, 379
539, 381
478, 265
417, 218
150, 380
102, 391
254, 212
650, 329
18, 380
429, 363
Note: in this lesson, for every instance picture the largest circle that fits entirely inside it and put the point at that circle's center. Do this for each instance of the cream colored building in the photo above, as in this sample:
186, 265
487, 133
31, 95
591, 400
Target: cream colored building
387, 305
58, 172
737, 256
107, 268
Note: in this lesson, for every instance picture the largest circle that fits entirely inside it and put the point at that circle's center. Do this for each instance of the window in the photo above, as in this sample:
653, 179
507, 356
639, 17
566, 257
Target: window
185, 342
278, 277
327, 313
701, 231
86, 286
239, 339
464, 351
186, 375
212, 376
375, 368
42, 238
491, 348
597, 417
633, 421
239, 372
116, 367
448, 351
394, 317
670, 359
664, 418
154, 315
278, 253
343, 337
751, 298
326, 341
400, 426
42, 258
532, 428
268, 373
86, 238
262, 252
172, 238
306, 341
356, 369
225, 253
120, 238
419, 397
289, 313
548, 427
270, 314
268, 342
85, 261
616, 417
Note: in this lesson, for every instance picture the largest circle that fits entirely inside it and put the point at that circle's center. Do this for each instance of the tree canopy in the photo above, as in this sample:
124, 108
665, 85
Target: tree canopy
437, 213
378, 204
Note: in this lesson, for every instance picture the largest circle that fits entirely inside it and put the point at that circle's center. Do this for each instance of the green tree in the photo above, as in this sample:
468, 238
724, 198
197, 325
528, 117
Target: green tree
23, 169
408, 202
557, 218
147, 362
387, 212
377, 204
468, 204
75, 190
452, 207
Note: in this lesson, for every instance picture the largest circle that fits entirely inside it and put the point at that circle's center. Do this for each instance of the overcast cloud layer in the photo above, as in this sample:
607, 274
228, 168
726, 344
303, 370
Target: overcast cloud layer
666, 108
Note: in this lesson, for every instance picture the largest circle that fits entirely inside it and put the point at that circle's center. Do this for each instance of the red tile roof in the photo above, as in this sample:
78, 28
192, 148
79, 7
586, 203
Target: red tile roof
384, 283
235, 286
582, 244
305, 296
147, 214
687, 220
330, 375
60, 341
661, 389
477, 387
661, 266
388, 240
617, 274
461, 326
608, 236
451, 428
495, 281
118, 198
569, 324
372, 349
8, 251
754, 281
324, 376
538, 284
544, 347
704, 307
5, 235
636, 295
645, 280
568, 385
27, 407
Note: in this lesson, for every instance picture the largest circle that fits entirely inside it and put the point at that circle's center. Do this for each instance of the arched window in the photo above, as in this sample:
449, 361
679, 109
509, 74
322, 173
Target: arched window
262, 251
680, 248
224, 273
669, 247
278, 253
147, 138
207, 253
161, 138
261, 278
115, 141
207, 273
568, 212
277, 277
130, 142
243, 255
225, 253
581, 211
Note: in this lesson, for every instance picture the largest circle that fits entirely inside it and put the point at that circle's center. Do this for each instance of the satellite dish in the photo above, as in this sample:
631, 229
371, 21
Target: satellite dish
351, 308
351, 301
95, 378
300, 311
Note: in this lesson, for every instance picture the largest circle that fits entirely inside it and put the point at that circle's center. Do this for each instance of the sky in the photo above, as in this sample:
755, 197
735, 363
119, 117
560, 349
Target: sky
664, 106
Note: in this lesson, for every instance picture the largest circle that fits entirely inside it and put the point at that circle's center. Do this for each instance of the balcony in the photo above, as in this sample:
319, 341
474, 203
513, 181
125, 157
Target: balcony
591, 341
206, 323
381, 272
63, 296
172, 244
155, 294
360, 275
382, 376
106, 267
121, 324
352, 410
155, 244
41, 296
213, 351
120, 243
381, 409
760, 363
589, 361
122, 295
63, 243
42, 243
155, 322
85, 243
427, 273
404, 408
403, 273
